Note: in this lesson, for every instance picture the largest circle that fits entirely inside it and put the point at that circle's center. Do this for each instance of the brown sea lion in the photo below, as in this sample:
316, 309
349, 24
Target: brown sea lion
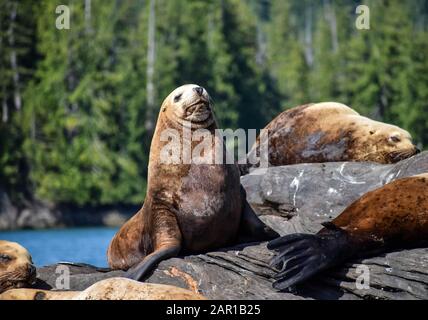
189, 207
329, 132
394, 216
16, 266
108, 289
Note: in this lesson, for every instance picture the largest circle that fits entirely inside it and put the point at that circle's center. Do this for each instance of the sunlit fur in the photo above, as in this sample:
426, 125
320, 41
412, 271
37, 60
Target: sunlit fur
331, 132
18, 271
186, 106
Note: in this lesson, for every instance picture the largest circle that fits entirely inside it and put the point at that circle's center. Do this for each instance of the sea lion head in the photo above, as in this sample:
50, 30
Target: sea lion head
392, 143
400, 145
189, 105
16, 266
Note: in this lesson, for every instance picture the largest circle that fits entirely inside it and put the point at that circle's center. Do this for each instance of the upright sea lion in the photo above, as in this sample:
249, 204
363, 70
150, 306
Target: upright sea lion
16, 266
329, 132
189, 207
394, 216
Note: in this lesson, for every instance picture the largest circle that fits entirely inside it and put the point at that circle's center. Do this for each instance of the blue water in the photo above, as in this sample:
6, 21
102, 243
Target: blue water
88, 245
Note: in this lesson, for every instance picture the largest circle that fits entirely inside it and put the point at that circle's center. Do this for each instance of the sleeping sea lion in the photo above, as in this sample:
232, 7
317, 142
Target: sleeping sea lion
328, 132
108, 289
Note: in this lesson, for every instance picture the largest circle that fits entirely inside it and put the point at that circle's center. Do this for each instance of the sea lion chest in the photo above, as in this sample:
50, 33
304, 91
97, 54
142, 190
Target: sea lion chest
210, 206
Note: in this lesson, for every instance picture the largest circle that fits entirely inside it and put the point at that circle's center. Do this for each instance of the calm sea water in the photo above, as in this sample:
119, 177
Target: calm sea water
88, 245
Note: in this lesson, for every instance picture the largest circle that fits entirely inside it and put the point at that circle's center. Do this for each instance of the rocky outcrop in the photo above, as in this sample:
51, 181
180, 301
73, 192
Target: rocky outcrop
291, 199
36, 215
304, 196
39, 215
242, 272
8, 213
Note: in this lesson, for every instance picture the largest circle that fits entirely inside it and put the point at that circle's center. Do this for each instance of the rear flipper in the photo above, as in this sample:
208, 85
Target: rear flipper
139, 271
301, 256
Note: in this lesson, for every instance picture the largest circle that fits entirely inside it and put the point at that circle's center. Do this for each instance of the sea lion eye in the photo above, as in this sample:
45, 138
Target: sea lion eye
5, 258
177, 97
394, 139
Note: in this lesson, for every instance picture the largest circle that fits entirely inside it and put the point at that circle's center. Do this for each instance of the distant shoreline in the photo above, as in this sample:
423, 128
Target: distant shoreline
39, 215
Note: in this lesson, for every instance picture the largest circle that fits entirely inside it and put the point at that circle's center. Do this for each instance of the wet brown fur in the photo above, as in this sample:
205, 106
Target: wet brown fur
330, 132
395, 215
174, 193
18, 271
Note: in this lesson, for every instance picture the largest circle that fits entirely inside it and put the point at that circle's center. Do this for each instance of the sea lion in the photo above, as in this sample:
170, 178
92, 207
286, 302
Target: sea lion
328, 132
16, 266
108, 289
37, 294
189, 207
393, 216
126, 289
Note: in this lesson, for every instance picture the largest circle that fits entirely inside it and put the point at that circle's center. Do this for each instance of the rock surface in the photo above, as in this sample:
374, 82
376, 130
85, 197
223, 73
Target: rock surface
290, 199
305, 195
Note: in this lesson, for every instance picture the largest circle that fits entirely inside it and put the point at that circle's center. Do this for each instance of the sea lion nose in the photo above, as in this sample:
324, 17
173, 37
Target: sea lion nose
31, 270
418, 150
199, 90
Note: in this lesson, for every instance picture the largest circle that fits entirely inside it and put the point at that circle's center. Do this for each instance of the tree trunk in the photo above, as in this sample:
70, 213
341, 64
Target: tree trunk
88, 27
331, 18
309, 54
13, 57
151, 59
261, 36
5, 108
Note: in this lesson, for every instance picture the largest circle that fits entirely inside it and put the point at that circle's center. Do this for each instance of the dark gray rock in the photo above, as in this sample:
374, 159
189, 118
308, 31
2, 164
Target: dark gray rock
40, 215
289, 199
242, 272
8, 213
306, 195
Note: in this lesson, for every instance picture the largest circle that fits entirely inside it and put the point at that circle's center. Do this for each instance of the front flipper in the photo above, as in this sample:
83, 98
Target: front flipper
251, 227
301, 256
166, 239
139, 271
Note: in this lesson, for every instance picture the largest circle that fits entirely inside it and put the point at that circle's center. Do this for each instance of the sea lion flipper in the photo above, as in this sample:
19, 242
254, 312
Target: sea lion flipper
166, 240
251, 227
139, 271
300, 256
